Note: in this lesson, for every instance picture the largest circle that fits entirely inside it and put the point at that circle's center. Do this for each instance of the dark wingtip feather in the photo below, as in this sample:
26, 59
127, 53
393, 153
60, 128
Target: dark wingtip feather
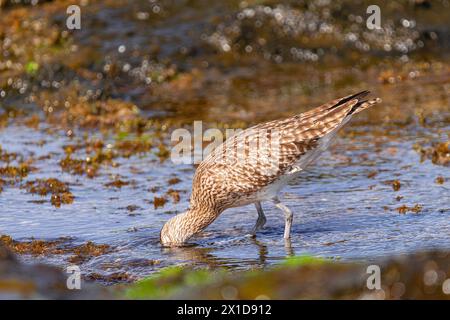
357, 96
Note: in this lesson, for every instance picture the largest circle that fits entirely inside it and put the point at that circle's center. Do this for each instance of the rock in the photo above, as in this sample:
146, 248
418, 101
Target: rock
38, 281
414, 276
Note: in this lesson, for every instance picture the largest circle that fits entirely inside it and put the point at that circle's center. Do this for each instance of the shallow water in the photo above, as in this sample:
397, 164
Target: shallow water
338, 211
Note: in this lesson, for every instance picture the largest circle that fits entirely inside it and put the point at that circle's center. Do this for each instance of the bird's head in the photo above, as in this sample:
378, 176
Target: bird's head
175, 232
183, 226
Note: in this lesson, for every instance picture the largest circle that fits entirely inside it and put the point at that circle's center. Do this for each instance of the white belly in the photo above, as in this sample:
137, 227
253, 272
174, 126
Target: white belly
271, 191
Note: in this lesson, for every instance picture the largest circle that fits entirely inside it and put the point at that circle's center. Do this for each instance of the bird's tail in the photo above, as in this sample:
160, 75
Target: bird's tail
356, 101
363, 104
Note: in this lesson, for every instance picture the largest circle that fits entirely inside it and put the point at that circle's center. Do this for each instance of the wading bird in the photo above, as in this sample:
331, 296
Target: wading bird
255, 164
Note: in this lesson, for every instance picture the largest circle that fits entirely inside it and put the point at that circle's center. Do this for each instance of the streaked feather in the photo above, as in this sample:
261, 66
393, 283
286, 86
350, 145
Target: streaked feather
229, 178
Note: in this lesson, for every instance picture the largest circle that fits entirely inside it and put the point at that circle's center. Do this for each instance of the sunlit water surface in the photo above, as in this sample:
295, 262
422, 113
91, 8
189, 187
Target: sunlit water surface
338, 211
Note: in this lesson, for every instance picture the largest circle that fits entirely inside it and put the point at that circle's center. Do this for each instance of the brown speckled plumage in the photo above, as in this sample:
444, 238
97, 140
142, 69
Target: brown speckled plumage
254, 164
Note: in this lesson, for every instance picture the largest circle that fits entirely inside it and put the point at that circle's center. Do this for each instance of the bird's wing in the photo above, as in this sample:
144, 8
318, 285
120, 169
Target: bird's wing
261, 154
314, 129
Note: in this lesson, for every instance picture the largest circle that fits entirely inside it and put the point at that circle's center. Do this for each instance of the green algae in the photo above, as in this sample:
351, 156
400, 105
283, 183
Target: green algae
168, 281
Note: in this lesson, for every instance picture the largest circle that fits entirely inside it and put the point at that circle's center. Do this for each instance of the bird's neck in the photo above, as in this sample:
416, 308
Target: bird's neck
199, 219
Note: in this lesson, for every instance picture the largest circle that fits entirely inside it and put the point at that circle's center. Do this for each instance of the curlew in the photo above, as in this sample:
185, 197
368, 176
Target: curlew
255, 164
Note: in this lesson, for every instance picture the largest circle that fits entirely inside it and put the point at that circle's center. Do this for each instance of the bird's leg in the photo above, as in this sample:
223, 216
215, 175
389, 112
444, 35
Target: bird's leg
289, 249
261, 218
288, 217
